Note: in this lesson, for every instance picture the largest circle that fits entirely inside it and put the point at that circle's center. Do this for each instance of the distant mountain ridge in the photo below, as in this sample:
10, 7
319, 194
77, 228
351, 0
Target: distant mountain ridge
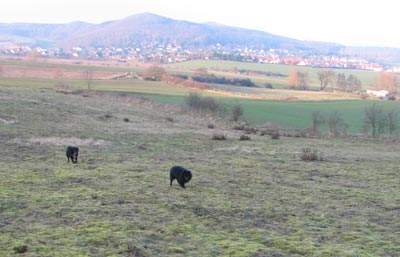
147, 28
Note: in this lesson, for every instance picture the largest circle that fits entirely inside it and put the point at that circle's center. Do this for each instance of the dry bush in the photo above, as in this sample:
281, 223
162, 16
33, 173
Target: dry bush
200, 103
211, 126
250, 130
310, 155
237, 113
126, 120
275, 135
244, 138
219, 137
62, 87
154, 73
240, 127
169, 119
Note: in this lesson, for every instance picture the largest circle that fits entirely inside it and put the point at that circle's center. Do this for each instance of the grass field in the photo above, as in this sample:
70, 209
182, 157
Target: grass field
294, 114
246, 199
368, 78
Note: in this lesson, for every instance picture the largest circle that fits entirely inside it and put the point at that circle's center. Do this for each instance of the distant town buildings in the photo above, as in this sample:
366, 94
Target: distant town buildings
156, 52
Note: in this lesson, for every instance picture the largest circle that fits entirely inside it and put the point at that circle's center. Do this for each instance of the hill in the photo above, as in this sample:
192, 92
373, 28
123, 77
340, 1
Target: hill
150, 30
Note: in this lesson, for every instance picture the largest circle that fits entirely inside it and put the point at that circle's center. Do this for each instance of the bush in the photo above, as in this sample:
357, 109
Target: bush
268, 85
204, 104
218, 137
244, 138
126, 120
212, 79
20, 249
275, 135
154, 73
169, 119
310, 155
237, 113
211, 126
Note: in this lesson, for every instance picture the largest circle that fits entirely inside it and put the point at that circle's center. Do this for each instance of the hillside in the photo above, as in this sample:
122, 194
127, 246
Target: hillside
246, 199
148, 29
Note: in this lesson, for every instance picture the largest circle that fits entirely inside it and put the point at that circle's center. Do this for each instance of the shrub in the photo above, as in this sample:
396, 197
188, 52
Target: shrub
336, 124
244, 138
211, 126
250, 130
310, 155
237, 113
268, 85
204, 104
126, 120
219, 137
20, 249
154, 73
212, 79
275, 135
317, 120
170, 119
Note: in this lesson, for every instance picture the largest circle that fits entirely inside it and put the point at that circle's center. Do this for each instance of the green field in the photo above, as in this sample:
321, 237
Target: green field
293, 114
246, 199
290, 114
368, 78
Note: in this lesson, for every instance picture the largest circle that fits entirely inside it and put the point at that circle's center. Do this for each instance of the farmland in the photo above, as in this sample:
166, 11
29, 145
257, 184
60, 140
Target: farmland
368, 78
286, 108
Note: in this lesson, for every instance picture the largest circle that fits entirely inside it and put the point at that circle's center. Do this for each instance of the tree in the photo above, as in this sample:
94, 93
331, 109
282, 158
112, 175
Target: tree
374, 120
154, 73
341, 82
388, 81
336, 124
317, 120
293, 78
237, 112
348, 84
303, 80
353, 83
392, 121
325, 78
89, 78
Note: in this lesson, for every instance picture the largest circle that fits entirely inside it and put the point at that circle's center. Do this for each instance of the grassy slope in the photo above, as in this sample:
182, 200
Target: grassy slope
286, 113
246, 199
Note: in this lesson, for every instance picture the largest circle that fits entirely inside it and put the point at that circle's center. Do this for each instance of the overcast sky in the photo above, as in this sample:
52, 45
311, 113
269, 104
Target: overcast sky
352, 22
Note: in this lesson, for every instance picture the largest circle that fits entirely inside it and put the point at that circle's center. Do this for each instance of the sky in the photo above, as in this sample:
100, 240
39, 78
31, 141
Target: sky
350, 22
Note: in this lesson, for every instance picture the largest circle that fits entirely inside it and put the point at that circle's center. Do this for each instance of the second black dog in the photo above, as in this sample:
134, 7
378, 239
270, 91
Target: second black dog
72, 153
181, 174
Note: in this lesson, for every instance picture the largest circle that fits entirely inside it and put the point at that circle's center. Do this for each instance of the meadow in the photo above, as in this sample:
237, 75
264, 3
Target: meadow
368, 78
288, 114
253, 198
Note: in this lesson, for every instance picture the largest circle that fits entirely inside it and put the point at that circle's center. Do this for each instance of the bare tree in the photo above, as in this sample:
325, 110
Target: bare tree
237, 112
303, 80
374, 120
317, 120
154, 73
89, 78
392, 121
325, 78
293, 80
388, 81
336, 124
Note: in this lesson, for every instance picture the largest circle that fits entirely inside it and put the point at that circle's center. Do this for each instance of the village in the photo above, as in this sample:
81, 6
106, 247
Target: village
169, 53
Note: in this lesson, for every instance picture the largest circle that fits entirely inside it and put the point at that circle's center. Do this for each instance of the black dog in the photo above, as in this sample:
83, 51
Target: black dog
72, 153
181, 174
